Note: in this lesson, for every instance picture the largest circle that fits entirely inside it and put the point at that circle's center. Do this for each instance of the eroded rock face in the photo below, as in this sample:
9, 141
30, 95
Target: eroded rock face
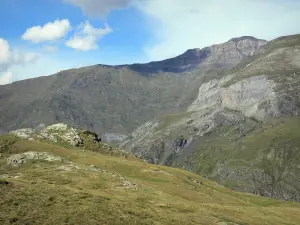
235, 50
254, 96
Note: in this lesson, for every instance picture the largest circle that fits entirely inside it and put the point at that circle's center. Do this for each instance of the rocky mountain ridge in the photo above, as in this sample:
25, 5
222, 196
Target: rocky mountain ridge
224, 55
119, 98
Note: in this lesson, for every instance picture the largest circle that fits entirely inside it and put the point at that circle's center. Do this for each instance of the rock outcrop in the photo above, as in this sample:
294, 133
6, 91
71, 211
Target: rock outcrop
18, 159
68, 136
57, 133
254, 96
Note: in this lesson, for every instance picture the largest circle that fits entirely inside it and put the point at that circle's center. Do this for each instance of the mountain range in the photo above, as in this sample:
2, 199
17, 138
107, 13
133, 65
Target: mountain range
229, 112
118, 98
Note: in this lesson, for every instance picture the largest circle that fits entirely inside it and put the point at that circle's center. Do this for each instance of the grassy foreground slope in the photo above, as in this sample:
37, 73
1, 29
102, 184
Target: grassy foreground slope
69, 185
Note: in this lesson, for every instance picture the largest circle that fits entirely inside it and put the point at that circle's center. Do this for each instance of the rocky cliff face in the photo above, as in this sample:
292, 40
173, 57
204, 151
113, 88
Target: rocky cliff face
220, 125
254, 96
118, 99
225, 55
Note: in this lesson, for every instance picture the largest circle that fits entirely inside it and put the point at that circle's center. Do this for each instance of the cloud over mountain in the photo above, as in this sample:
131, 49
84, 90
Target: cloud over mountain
86, 37
99, 7
49, 32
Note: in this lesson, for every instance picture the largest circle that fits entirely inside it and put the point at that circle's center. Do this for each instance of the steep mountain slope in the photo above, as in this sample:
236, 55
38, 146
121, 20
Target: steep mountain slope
118, 98
47, 182
241, 130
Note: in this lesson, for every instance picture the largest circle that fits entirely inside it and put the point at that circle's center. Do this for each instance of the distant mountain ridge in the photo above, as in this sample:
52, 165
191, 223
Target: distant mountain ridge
192, 58
118, 98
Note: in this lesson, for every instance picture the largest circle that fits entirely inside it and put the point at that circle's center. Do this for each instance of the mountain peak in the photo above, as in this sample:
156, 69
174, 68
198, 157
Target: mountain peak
242, 38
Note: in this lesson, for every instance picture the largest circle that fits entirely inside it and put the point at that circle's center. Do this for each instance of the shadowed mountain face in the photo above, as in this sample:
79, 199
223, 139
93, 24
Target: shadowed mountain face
119, 98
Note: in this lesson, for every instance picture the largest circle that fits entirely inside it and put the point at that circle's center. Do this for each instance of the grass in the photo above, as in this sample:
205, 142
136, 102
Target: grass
169, 119
273, 147
42, 194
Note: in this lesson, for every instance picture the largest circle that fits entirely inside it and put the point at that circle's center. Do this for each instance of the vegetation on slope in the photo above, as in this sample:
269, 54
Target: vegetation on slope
87, 187
264, 161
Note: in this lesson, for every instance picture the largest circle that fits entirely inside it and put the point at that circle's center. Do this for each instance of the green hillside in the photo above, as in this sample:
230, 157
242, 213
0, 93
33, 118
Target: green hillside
48, 183
264, 161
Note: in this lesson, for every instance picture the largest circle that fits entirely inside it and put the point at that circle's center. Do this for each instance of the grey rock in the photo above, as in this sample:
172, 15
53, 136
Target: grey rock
25, 133
56, 132
248, 96
18, 159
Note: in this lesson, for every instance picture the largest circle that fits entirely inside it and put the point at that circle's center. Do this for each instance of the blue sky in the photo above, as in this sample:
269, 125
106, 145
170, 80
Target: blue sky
41, 37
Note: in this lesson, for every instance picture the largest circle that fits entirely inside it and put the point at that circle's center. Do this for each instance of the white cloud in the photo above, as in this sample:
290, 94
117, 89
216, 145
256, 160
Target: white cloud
49, 32
50, 48
99, 7
9, 57
6, 78
84, 43
5, 53
178, 25
86, 37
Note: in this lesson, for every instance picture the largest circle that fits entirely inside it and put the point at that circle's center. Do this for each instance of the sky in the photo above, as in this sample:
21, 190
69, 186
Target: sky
42, 37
